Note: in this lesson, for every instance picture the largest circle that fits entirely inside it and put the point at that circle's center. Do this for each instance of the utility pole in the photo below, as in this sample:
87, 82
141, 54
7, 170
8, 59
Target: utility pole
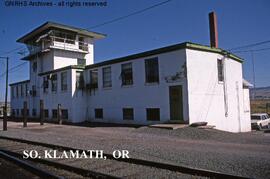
5, 109
253, 69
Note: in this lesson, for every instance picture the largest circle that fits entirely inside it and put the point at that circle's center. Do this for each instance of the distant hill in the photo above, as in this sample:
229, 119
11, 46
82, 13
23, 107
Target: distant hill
260, 93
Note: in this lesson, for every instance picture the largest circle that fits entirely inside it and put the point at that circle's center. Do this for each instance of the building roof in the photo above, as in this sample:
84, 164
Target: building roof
62, 69
185, 45
50, 25
19, 82
246, 84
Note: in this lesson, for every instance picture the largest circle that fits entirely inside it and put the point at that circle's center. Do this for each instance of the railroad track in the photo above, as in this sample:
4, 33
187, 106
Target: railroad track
109, 168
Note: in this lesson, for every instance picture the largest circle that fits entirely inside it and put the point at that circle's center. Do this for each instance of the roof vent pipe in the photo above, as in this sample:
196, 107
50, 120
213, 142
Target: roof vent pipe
213, 29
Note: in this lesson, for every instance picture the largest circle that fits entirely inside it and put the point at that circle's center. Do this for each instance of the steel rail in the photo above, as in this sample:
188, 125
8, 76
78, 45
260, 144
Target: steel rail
42, 173
27, 166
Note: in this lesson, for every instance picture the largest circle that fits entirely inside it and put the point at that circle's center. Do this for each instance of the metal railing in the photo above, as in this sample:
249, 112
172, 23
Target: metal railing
58, 42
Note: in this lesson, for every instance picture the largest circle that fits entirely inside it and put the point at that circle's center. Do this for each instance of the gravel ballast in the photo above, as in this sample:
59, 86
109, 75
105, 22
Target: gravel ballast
244, 154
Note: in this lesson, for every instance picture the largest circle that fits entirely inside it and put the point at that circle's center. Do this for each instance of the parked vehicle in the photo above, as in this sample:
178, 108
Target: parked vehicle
260, 121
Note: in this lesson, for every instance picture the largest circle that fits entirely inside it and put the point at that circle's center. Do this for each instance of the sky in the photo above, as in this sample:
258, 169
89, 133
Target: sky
240, 22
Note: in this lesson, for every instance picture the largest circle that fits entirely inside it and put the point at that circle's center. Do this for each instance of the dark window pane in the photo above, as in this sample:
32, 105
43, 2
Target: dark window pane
126, 74
107, 80
153, 114
46, 113
79, 80
128, 114
34, 112
151, 70
64, 113
99, 113
54, 113
81, 61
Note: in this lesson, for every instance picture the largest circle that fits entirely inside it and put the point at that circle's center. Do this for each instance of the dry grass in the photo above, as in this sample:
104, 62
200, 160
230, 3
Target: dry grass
260, 106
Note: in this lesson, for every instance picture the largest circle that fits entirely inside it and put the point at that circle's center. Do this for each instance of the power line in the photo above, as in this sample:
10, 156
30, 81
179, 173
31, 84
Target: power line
250, 45
255, 50
8, 52
13, 68
131, 14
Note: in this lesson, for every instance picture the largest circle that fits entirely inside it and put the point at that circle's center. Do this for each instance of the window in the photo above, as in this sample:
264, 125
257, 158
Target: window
46, 113
79, 80
94, 79
153, 114
151, 70
33, 92
82, 44
126, 74
17, 91
54, 113
107, 80
34, 112
99, 113
64, 113
70, 38
45, 84
54, 82
64, 81
22, 112
18, 112
12, 92
128, 114
81, 61
34, 66
22, 91
220, 70
26, 89
13, 112
64, 37
59, 36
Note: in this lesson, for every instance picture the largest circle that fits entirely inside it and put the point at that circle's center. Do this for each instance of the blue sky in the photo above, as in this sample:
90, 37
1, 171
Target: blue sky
240, 22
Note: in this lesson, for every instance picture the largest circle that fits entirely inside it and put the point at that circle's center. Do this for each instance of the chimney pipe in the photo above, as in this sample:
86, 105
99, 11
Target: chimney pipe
213, 29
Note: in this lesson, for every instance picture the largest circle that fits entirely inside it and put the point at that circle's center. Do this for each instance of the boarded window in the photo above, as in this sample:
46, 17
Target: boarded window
107, 79
153, 114
64, 81
79, 80
126, 74
64, 113
99, 113
151, 70
128, 114
220, 70
54, 82
94, 79
54, 113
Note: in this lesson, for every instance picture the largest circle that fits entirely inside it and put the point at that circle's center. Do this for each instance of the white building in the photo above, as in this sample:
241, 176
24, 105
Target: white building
182, 83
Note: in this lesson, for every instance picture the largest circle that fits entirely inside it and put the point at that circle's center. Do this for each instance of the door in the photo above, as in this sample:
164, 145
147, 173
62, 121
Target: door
176, 103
